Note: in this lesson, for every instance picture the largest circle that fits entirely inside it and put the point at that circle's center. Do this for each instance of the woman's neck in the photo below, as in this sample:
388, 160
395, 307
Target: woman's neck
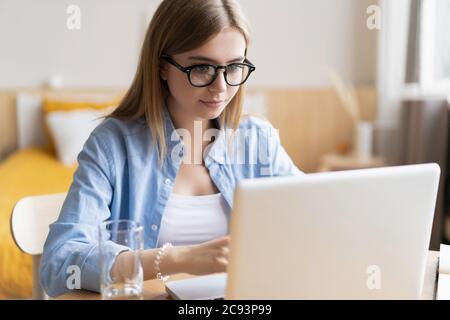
196, 128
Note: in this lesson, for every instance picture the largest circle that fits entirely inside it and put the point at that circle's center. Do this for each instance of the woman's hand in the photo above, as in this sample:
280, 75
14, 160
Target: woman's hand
200, 259
205, 258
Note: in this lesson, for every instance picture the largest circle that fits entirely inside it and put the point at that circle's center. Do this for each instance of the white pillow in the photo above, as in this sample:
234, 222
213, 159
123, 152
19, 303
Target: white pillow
71, 129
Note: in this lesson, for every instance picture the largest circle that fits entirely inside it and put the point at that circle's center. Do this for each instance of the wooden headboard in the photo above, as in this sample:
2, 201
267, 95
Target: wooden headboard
311, 121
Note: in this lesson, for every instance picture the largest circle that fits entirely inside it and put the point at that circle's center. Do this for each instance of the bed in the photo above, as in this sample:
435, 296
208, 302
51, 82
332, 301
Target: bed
29, 171
32, 169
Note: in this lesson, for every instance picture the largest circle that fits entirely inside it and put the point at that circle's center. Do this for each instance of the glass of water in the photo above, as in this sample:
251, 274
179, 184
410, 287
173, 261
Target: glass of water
127, 281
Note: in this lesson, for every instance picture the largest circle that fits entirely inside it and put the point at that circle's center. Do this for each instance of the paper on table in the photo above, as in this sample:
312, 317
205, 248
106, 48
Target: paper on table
444, 259
443, 288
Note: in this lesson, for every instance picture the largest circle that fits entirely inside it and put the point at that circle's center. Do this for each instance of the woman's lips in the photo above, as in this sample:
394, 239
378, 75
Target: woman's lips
212, 104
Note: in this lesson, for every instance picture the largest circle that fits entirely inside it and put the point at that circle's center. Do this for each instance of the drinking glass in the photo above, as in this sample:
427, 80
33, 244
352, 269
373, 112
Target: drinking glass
127, 281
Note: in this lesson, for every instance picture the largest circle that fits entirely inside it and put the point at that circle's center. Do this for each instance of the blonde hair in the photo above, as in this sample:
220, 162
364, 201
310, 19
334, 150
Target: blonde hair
176, 27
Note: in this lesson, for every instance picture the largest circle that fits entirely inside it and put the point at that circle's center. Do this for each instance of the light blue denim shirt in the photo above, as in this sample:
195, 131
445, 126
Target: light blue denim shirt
119, 177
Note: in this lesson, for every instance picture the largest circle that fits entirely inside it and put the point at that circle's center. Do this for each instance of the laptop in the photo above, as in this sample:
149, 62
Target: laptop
357, 234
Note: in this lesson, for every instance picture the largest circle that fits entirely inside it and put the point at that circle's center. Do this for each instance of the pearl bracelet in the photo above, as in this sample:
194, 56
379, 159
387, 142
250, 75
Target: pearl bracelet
158, 258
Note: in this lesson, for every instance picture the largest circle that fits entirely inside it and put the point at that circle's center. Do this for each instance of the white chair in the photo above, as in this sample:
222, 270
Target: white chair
30, 222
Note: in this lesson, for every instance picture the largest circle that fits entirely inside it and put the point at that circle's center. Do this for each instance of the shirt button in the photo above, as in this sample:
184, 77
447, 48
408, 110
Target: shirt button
167, 181
154, 227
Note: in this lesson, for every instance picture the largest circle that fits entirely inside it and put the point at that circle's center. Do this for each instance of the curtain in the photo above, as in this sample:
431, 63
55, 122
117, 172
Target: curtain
425, 135
413, 51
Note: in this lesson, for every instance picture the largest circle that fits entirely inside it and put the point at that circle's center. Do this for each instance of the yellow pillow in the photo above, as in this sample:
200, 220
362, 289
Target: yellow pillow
50, 105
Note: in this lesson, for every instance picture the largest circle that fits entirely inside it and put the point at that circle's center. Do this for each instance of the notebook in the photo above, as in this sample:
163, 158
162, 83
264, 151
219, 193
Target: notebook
443, 289
209, 287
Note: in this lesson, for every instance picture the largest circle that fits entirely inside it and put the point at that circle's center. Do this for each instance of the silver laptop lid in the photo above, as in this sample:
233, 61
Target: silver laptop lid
360, 234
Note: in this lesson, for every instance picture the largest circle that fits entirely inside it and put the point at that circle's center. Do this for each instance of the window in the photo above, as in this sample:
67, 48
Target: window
435, 45
441, 69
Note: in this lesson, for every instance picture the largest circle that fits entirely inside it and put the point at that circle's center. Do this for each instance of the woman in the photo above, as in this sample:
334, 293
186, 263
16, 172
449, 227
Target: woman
146, 162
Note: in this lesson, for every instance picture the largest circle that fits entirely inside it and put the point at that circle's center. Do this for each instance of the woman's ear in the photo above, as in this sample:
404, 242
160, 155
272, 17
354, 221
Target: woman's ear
163, 70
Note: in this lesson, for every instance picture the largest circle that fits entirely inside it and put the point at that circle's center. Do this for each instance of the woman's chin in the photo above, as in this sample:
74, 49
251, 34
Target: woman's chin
209, 114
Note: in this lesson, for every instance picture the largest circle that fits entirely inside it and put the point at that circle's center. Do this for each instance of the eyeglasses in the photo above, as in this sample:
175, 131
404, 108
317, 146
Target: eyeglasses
202, 75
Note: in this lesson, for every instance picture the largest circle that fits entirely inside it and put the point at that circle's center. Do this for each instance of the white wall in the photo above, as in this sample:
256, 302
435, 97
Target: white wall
309, 35
36, 43
293, 41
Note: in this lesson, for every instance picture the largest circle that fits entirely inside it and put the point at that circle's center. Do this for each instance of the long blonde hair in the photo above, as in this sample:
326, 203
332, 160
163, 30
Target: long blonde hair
176, 27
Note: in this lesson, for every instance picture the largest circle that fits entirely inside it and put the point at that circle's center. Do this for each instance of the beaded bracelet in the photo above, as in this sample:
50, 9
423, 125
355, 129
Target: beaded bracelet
158, 258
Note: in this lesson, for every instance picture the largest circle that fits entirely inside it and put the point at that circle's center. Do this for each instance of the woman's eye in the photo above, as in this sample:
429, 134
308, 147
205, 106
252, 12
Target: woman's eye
233, 68
202, 69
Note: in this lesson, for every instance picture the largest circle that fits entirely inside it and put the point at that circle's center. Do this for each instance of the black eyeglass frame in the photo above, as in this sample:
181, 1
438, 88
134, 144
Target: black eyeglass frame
188, 70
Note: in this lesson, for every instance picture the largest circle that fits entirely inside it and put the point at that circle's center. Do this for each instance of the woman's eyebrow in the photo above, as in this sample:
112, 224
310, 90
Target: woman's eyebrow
201, 58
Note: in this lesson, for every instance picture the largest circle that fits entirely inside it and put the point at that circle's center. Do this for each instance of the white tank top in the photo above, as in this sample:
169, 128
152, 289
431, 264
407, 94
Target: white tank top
194, 219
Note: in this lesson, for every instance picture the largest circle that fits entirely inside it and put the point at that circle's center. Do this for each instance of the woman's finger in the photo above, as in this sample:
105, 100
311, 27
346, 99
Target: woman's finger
220, 242
225, 251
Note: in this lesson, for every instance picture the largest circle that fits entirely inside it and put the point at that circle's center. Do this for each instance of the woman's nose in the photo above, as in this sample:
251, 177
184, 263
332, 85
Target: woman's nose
219, 83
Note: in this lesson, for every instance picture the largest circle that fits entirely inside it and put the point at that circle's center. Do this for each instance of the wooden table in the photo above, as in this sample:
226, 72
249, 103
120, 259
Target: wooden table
155, 290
